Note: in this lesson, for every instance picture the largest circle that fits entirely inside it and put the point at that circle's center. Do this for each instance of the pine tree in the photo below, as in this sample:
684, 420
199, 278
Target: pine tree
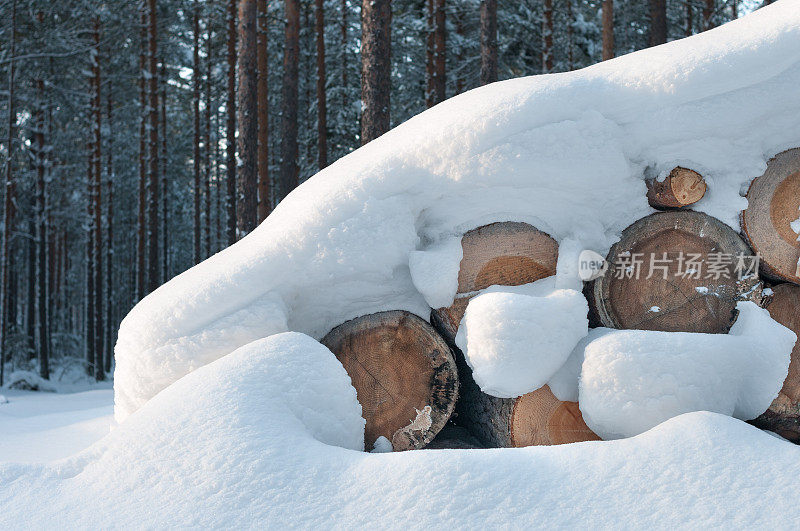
376, 85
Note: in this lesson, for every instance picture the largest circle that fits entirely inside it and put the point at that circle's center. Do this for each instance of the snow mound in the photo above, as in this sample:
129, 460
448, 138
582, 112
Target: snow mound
515, 343
564, 383
272, 434
633, 380
567, 153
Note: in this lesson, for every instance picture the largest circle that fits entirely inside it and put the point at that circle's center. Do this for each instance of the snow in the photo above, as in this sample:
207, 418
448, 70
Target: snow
38, 427
564, 383
272, 433
231, 413
515, 343
434, 271
632, 380
382, 446
567, 153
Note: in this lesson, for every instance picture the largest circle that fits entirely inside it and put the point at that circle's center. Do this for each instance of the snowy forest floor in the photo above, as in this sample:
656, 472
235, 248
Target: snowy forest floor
38, 427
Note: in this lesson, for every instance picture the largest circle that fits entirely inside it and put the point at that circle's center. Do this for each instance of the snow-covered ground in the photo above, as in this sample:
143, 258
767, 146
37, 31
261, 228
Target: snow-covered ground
36, 427
270, 436
231, 413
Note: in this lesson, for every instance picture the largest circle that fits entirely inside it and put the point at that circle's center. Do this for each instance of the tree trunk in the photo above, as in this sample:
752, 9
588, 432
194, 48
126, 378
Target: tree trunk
230, 141
165, 255
608, 29
322, 101
708, 14
153, 279
8, 189
570, 38
488, 41
141, 241
97, 225
429, 54
783, 416
404, 375
506, 254
677, 271
440, 52
376, 65
196, 115
547, 37
207, 147
773, 204
288, 176
111, 288
264, 198
658, 22
681, 188
247, 196
689, 18
42, 299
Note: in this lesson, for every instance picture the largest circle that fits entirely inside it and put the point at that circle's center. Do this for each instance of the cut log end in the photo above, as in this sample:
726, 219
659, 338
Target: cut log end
681, 188
676, 271
783, 415
404, 375
539, 418
506, 254
773, 204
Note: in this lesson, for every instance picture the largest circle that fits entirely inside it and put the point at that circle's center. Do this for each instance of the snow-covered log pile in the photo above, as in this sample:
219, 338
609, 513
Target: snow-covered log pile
447, 263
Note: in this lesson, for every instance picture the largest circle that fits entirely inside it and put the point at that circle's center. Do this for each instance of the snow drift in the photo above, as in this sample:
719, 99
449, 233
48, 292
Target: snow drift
564, 152
271, 436
632, 380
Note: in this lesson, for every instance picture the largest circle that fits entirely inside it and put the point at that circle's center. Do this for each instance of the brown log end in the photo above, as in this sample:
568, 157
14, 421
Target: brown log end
404, 375
783, 415
539, 418
679, 296
681, 188
773, 203
507, 254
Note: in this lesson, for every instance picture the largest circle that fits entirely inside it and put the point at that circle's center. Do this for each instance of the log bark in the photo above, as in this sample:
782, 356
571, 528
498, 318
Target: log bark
404, 375
507, 254
783, 416
681, 188
676, 271
537, 418
773, 204
454, 437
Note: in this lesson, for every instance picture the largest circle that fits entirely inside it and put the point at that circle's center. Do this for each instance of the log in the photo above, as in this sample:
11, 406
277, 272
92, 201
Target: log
507, 254
773, 202
537, 418
682, 187
694, 265
783, 416
404, 375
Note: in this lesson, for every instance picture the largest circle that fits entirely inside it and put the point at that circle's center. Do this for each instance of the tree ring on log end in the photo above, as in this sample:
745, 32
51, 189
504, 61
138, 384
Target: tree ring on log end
773, 204
783, 415
506, 254
404, 375
677, 271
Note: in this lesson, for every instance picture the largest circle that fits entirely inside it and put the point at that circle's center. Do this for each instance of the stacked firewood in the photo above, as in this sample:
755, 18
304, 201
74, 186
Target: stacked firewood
674, 270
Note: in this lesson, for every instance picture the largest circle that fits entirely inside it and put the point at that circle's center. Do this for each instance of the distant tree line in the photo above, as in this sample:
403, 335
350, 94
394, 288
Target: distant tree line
144, 136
